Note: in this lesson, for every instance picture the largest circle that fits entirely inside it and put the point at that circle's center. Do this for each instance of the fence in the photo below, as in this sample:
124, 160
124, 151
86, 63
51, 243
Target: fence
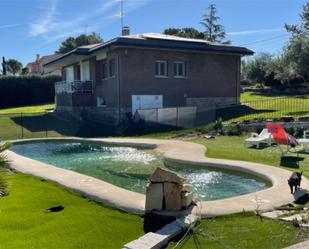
45, 124
184, 117
271, 108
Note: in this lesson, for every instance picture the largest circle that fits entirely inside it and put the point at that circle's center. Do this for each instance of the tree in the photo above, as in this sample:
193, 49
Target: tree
13, 66
73, 42
297, 49
257, 69
297, 53
214, 32
24, 71
303, 27
185, 32
3, 66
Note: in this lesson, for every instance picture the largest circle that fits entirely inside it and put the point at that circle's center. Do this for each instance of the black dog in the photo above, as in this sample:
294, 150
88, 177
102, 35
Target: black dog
294, 181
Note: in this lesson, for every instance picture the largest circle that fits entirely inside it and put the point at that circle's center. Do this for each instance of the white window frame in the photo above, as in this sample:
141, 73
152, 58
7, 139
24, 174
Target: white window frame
176, 74
165, 68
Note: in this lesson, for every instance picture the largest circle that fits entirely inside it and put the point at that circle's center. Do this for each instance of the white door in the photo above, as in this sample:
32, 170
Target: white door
85, 71
146, 102
69, 74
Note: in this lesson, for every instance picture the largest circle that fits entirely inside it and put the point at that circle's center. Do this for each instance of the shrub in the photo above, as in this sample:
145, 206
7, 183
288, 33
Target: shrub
3, 186
215, 127
259, 86
3, 183
27, 90
234, 130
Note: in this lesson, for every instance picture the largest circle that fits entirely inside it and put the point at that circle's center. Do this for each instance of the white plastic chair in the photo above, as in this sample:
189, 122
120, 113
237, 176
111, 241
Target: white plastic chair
257, 139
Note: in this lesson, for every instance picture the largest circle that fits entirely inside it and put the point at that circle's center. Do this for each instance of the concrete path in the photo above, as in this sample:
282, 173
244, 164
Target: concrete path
161, 237
303, 245
174, 151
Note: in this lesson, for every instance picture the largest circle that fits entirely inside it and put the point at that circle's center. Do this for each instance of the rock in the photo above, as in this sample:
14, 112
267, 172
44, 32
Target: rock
186, 199
186, 187
172, 196
154, 197
164, 175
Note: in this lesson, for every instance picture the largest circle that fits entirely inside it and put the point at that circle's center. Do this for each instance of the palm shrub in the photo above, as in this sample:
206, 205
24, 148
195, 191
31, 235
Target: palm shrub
3, 183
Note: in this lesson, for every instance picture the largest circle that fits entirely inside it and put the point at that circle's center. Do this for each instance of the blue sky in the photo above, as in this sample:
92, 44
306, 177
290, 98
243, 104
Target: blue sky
29, 27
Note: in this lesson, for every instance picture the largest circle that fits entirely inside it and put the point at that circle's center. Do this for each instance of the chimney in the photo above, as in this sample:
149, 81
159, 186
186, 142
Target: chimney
37, 57
125, 31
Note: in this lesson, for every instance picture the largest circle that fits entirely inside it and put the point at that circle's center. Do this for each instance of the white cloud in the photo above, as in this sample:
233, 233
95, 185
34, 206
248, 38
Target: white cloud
51, 25
9, 26
45, 23
257, 31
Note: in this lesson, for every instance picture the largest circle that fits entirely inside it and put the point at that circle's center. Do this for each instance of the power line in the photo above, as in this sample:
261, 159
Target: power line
265, 40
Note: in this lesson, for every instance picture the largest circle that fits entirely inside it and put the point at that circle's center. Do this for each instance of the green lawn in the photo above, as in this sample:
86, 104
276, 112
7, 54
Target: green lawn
232, 147
84, 224
241, 231
260, 106
27, 109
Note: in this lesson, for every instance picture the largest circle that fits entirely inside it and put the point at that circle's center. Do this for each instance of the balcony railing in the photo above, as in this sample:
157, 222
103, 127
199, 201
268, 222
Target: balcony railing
76, 86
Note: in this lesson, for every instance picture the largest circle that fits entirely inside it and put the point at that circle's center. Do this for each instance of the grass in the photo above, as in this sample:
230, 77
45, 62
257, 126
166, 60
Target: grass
27, 109
85, 224
241, 231
260, 106
225, 147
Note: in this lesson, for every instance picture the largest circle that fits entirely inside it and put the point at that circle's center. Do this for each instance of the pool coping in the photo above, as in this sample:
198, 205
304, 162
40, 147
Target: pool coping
182, 152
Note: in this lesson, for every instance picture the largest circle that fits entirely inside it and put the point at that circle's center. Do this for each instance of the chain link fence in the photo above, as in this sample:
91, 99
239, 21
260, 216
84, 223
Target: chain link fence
49, 124
46, 124
276, 109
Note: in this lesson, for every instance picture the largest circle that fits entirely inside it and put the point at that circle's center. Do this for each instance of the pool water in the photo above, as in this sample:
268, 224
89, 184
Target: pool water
130, 168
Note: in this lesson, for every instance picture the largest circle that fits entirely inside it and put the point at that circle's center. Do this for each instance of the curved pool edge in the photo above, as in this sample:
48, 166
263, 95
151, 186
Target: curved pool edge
174, 151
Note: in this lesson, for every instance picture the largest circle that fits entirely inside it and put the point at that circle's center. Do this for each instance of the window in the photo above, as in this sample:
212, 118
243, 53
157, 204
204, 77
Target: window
179, 69
161, 69
101, 102
111, 68
104, 70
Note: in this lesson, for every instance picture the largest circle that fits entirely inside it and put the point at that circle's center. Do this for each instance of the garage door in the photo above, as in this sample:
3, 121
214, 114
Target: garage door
146, 102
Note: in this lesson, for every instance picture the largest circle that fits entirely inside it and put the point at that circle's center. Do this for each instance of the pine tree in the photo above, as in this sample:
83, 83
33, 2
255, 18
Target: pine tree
214, 32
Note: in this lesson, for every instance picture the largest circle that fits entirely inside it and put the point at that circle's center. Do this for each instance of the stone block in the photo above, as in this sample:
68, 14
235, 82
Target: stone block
164, 175
172, 196
154, 197
186, 199
186, 187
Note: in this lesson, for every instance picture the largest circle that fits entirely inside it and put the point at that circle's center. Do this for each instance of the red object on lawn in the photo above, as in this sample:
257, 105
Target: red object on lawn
281, 136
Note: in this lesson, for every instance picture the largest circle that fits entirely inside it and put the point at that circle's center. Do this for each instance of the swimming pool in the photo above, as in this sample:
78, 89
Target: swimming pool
129, 167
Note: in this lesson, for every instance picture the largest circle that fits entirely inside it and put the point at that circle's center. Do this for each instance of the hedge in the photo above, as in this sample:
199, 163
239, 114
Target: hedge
27, 90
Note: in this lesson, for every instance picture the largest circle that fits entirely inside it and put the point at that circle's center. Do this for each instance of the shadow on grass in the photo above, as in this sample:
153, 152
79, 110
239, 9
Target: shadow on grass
239, 111
291, 161
49, 123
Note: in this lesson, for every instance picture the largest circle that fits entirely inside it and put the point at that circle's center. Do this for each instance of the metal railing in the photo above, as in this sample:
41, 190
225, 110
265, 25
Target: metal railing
76, 86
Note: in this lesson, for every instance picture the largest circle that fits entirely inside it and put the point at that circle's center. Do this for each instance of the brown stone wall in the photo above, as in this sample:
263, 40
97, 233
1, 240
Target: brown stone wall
208, 76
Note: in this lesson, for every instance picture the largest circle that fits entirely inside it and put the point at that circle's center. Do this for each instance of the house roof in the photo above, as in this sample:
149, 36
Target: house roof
161, 41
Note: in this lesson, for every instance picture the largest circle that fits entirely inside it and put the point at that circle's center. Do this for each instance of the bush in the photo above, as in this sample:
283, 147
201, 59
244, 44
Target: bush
259, 86
215, 127
234, 130
27, 90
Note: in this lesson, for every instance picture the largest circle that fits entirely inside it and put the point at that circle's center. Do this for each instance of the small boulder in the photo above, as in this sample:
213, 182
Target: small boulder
164, 175
154, 197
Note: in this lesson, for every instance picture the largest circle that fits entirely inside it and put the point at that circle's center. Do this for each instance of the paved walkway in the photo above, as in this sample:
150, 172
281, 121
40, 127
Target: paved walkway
173, 151
303, 245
